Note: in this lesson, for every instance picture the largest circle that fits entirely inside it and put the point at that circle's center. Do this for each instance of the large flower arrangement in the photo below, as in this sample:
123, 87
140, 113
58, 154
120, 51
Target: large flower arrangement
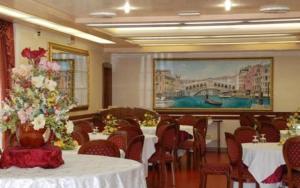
149, 120
35, 100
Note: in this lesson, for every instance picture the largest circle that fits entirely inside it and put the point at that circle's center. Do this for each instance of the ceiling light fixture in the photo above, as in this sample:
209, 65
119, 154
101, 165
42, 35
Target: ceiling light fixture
227, 5
275, 20
274, 9
189, 13
214, 22
208, 36
103, 14
126, 7
107, 25
51, 25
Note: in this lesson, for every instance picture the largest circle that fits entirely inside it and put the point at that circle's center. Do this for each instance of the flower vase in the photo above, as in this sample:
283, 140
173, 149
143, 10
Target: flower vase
28, 137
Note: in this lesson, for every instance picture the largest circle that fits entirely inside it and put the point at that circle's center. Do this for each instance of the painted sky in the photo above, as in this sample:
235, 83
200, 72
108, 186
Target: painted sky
202, 69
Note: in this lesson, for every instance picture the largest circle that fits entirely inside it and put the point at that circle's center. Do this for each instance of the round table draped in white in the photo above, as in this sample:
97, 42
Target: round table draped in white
79, 171
262, 160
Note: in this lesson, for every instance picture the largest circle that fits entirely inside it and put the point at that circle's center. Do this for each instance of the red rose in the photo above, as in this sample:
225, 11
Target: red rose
26, 53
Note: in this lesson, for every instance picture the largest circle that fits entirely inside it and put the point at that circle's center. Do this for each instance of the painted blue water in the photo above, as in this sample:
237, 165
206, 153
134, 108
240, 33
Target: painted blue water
231, 102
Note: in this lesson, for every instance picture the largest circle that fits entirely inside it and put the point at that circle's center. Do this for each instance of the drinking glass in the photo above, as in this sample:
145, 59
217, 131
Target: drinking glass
255, 140
263, 138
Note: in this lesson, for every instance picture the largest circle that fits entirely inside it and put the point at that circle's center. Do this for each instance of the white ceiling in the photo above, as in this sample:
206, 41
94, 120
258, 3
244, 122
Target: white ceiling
76, 12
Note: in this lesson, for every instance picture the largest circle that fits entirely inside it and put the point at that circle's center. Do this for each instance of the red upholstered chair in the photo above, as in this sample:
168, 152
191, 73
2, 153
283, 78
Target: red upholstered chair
201, 125
239, 171
247, 120
165, 149
132, 122
132, 132
208, 168
271, 133
291, 153
80, 136
135, 149
119, 138
166, 117
245, 134
280, 123
100, 147
85, 126
260, 120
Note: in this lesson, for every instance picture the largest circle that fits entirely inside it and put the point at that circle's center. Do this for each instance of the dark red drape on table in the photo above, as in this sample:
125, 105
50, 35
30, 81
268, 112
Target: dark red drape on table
7, 62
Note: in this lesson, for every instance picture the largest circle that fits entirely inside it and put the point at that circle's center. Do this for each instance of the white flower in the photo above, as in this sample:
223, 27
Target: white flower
39, 122
22, 70
37, 81
50, 84
69, 127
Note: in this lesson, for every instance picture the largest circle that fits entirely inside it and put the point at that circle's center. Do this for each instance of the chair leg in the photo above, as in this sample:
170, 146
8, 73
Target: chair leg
202, 180
256, 185
240, 184
228, 180
173, 173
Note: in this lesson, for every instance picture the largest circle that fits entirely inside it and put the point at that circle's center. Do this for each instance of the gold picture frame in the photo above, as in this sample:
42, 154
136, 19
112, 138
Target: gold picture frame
80, 72
214, 84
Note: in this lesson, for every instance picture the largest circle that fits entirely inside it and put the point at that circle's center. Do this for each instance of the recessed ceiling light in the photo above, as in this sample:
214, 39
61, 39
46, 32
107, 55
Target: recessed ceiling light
106, 14
127, 7
133, 24
227, 5
214, 22
188, 13
274, 9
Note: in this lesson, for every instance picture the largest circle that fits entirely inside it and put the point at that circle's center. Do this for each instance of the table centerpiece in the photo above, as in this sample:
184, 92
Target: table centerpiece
111, 124
149, 120
35, 108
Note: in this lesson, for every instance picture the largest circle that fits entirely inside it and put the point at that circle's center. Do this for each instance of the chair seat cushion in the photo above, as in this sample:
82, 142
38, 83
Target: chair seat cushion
156, 157
215, 168
183, 136
246, 175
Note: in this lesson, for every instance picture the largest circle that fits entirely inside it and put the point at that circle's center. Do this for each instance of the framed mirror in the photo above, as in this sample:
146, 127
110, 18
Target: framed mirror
74, 73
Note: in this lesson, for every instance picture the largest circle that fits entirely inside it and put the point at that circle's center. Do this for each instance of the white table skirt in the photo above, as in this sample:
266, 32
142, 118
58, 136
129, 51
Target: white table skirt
262, 160
148, 149
79, 171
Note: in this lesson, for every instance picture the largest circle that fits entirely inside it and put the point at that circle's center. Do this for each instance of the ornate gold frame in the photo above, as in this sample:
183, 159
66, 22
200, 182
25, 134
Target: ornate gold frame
54, 46
192, 110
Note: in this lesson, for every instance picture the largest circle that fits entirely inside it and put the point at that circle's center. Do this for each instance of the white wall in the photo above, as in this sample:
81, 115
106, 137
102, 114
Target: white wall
26, 36
132, 80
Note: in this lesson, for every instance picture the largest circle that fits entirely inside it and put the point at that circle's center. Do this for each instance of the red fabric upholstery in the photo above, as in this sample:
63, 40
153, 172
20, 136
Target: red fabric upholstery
245, 134
135, 149
271, 133
132, 132
291, 153
100, 147
44, 157
201, 125
280, 124
119, 138
85, 126
132, 122
247, 120
81, 137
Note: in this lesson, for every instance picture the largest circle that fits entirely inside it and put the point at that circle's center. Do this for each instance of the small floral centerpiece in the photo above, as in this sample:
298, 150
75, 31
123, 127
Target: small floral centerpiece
149, 120
294, 121
111, 124
34, 100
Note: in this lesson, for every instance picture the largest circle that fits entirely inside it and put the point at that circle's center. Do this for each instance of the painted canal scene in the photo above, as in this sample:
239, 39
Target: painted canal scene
237, 84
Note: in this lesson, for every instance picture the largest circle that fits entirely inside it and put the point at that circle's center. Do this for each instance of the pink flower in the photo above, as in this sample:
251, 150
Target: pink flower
22, 116
49, 66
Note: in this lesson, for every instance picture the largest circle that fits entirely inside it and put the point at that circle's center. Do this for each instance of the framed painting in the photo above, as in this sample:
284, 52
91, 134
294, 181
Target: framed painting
213, 84
66, 76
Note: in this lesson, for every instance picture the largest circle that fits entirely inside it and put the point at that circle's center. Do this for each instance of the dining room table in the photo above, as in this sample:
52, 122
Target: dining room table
265, 162
78, 171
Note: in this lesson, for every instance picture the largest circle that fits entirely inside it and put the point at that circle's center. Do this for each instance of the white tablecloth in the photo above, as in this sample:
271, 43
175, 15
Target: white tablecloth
152, 130
79, 171
262, 160
148, 149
